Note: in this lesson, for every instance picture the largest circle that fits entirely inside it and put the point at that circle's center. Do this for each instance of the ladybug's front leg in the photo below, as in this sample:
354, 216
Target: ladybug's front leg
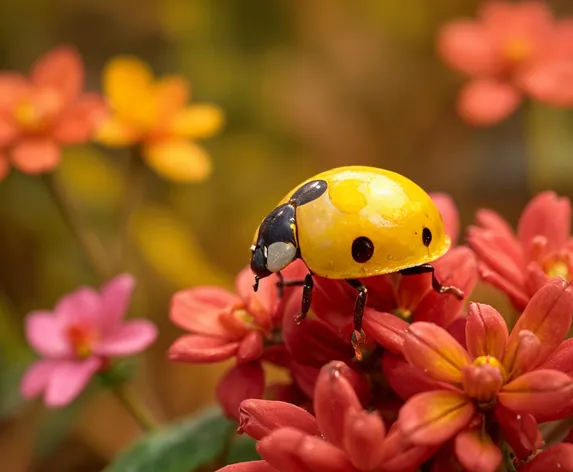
358, 335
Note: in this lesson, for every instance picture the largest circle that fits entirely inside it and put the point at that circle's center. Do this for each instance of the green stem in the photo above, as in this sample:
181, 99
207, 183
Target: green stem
507, 457
134, 407
90, 244
558, 431
132, 184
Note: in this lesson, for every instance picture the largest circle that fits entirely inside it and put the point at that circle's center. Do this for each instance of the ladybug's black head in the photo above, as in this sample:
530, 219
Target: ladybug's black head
276, 243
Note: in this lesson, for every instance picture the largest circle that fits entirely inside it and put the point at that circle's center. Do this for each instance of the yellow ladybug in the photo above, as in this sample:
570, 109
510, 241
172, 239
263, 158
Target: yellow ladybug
350, 223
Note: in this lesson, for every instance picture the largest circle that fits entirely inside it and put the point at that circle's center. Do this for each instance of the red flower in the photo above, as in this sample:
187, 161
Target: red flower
497, 374
39, 114
510, 50
343, 437
223, 325
558, 457
519, 264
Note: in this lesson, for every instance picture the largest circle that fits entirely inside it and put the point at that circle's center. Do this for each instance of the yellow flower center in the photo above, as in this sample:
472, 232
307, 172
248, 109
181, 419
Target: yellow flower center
29, 117
81, 339
517, 50
245, 317
557, 268
490, 360
403, 313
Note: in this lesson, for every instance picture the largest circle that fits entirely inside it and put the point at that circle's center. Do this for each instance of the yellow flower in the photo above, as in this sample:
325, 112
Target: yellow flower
154, 113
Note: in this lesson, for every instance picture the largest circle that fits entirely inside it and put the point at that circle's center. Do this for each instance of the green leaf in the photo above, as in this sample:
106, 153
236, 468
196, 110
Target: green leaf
181, 447
243, 449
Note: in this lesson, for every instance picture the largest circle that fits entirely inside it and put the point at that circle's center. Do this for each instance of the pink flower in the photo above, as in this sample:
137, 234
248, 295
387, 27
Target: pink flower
510, 50
498, 376
85, 329
519, 264
44, 112
341, 437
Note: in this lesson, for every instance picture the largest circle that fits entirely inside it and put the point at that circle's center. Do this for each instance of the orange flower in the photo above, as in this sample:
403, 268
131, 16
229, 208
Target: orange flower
40, 113
154, 113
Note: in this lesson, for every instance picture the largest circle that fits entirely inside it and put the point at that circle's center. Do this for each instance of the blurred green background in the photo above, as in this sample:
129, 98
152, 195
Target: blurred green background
305, 86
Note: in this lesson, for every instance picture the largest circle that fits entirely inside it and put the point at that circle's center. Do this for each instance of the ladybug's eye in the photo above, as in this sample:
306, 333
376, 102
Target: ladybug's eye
362, 249
426, 236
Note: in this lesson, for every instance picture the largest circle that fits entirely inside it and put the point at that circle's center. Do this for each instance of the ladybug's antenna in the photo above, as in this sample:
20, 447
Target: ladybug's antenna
256, 285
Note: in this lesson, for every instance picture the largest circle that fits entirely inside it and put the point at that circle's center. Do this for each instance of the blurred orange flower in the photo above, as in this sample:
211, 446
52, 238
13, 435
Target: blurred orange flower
40, 113
510, 50
154, 113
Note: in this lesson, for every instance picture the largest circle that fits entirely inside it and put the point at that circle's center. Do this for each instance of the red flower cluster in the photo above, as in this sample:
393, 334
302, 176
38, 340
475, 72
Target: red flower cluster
510, 50
437, 386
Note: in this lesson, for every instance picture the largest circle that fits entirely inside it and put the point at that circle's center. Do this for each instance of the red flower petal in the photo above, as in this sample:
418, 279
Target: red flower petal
477, 452
558, 457
290, 450
333, 398
467, 47
399, 455
516, 293
431, 418
484, 102
537, 392
535, 278
548, 316
562, 358
305, 377
364, 433
457, 268
326, 343
381, 292
386, 329
197, 310
78, 123
432, 350
546, 215
253, 466
549, 81
196, 348
258, 418
61, 70
449, 213
35, 155
527, 354
520, 431
406, 380
251, 347
262, 302
489, 219
486, 331
242, 382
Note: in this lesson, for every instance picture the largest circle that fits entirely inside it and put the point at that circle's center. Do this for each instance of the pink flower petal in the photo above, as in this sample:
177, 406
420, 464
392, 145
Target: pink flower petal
196, 348
449, 213
290, 450
486, 331
46, 335
262, 303
115, 299
467, 47
198, 309
81, 307
537, 392
562, 358
251, 347
61, 70
489, 219
484, 102
258, 418
35, 155
68, 379
548, 316
131, 338
477, 452
516, 293
520, 431
546, 215
558, 457
36, 378
8, 130
364, 434
78, 123
242, 382
431, 418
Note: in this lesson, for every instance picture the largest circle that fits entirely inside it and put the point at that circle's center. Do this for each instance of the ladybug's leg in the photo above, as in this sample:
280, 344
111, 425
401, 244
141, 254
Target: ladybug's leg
307, 287
281, 284
436, 285
358, 335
